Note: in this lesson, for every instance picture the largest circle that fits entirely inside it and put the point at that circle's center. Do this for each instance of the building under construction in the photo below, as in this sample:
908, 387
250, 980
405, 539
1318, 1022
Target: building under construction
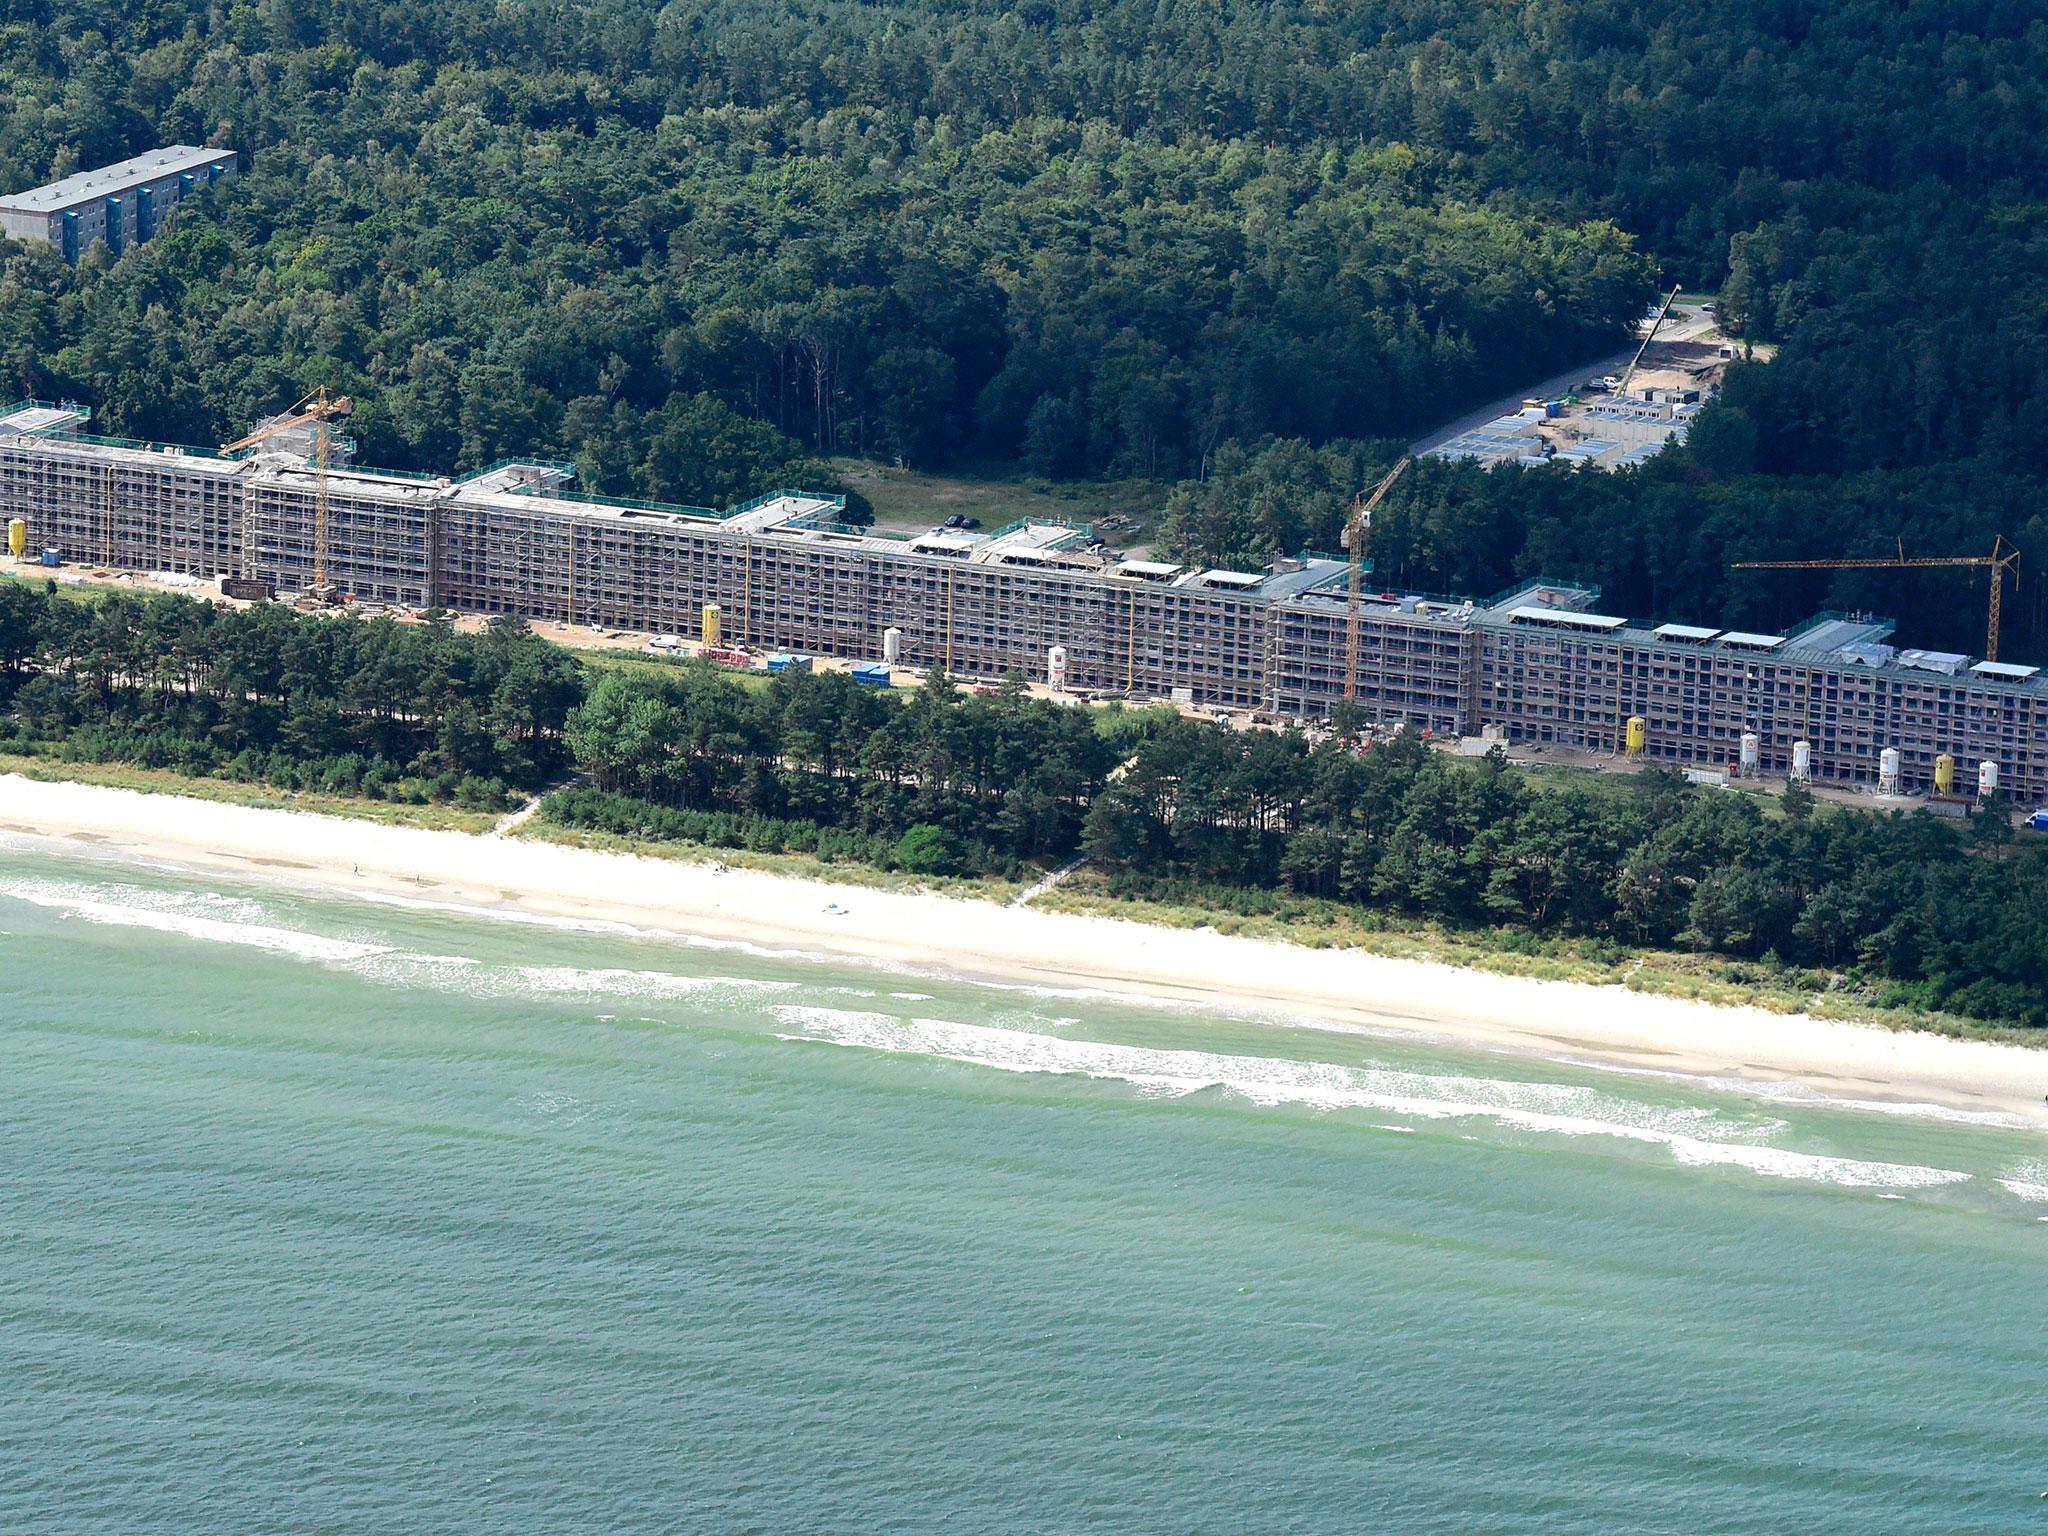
1832, 699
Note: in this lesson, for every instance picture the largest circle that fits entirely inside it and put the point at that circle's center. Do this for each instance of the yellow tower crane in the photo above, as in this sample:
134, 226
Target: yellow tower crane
2004, 556
319, 410
1354, 545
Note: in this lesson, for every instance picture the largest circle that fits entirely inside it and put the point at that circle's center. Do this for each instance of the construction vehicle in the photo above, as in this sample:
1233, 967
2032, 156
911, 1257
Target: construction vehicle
2004, 556
1354, 544
1620, 385
318, 410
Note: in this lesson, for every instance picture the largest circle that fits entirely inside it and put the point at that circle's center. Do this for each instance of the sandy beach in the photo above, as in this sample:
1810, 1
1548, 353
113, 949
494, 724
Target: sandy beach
1606, 1026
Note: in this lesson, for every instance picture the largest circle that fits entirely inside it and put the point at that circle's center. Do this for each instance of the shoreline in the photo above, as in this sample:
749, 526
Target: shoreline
1589, 1025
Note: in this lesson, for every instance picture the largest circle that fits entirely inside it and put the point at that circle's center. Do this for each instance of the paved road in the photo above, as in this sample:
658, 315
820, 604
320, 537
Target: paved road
1687, 323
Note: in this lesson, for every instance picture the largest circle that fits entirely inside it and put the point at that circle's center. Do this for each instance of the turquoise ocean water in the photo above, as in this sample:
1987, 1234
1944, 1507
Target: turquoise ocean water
319, 1215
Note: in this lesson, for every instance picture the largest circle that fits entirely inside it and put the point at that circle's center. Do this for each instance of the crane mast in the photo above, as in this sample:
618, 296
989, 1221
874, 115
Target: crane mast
318, 410
1628, 374
1354, 545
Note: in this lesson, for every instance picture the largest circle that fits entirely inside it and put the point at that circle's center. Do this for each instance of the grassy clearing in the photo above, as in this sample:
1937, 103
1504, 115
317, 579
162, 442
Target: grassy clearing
646, 664
164, 781
1620, 780
908, 498
87, 591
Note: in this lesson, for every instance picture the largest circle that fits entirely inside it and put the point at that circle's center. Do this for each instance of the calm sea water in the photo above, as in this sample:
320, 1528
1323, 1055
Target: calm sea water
329, 1216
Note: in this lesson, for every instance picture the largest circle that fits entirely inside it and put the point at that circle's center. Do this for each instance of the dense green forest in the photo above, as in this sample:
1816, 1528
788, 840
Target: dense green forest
1177, 810
410, 713
583, 230
1659, 540
943, 782
697, 247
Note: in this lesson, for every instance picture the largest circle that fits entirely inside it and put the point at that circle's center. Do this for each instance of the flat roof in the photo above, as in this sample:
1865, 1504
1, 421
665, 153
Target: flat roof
111, 180
1743, 640
1832, 632
774, 510
40, 418
2004, 670
1691, 632
288, 469
1565, 618
1948, 663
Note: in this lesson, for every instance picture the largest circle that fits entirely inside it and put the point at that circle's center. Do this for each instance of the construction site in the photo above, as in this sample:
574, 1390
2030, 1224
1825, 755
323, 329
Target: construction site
285, 513
1607, 420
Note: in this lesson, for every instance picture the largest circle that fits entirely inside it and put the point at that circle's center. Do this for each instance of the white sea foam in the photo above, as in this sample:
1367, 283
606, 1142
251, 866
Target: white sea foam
1802, 1094
218, 920
212, 918
1104, 995
2028, 1180
1695, 1136
612, 981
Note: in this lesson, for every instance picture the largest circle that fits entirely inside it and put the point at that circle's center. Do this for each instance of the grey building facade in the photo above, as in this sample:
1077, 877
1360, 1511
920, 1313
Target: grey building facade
1536, 662
118, 205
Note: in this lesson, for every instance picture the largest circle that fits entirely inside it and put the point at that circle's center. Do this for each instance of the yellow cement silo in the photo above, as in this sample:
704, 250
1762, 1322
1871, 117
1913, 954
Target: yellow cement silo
1944, 773
1638, 735
17, 537
713, 624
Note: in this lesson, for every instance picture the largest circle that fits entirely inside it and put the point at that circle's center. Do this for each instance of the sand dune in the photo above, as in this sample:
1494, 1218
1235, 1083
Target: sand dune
1602, 1025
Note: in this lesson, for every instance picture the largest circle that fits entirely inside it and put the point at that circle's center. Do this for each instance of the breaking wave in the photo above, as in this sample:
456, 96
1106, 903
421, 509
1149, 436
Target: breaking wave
195, 915
2028, 1180
217, 919
1696, 1137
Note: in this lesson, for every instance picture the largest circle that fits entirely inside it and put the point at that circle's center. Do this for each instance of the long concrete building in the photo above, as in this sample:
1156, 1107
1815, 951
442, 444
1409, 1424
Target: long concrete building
1537, 663
116, 205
